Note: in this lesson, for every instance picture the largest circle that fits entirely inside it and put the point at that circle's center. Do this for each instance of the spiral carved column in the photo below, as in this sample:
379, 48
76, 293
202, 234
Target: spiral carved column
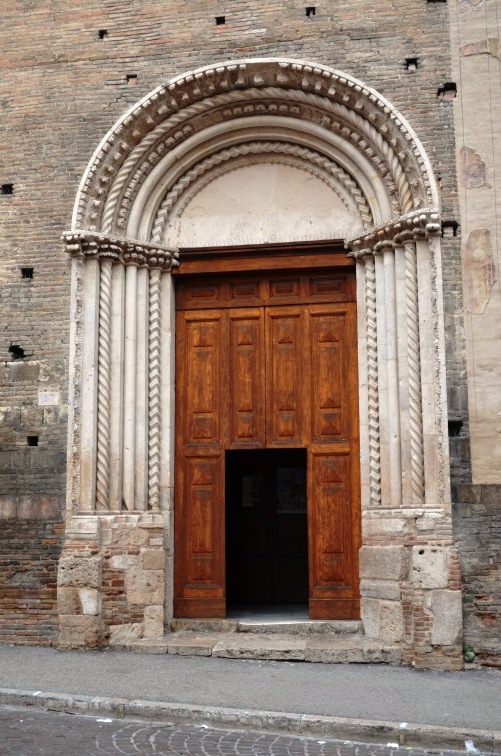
414, 363
104, 381
372, 382
154, 408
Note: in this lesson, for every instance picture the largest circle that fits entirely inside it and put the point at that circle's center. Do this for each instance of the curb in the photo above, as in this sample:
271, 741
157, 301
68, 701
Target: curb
336, 728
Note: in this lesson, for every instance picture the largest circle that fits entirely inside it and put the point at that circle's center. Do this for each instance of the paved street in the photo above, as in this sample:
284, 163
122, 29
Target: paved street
32, 733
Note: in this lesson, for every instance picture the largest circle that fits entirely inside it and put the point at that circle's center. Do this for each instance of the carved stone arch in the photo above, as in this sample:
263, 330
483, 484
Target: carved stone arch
179, 141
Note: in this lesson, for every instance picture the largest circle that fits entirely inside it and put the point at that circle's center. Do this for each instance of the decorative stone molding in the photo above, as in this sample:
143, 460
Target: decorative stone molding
418, 224
308, 160
91, 245
333, 102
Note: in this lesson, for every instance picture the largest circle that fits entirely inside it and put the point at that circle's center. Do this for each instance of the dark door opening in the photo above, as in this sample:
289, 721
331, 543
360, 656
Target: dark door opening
266, 527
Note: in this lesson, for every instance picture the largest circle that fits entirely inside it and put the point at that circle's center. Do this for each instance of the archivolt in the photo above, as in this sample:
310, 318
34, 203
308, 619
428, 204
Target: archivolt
156, 151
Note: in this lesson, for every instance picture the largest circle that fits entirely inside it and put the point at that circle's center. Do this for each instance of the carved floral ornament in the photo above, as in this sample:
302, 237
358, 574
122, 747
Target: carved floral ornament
175, 140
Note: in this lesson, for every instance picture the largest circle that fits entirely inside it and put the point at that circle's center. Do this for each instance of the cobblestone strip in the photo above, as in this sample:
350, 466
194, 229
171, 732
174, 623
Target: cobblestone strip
60, 734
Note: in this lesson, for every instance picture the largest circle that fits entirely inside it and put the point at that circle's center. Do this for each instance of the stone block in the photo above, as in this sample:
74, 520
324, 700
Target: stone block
38, 508
125, 633
446, 610
383, 620
68, 601
384, 526
123, 561
80, 570
152, 559
380, 589
154, 622
144, 587
79, 632
429, 567
129, 535
90, 600
8, 508
83, 527
384, 562
491, 497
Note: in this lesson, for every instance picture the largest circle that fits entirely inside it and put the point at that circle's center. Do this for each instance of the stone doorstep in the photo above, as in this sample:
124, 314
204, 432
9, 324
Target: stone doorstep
287, 627
323, 648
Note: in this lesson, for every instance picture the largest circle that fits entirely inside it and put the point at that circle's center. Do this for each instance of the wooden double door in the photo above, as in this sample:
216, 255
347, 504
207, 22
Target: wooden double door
266, 383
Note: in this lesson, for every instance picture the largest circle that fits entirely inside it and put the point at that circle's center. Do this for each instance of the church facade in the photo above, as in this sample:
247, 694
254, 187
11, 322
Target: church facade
251, 309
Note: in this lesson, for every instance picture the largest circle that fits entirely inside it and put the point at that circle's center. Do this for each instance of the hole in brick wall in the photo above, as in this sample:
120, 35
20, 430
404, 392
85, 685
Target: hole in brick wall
132, 80
310, 10
436, 1
32, 440
103, 33
421, 551
455, 428
26, 272
7, 188
448, 91
220, 20
450, 228
17, 352
412, 64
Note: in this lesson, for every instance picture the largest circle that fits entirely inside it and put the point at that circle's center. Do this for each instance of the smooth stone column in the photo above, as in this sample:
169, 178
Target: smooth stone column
89, 387
129, 406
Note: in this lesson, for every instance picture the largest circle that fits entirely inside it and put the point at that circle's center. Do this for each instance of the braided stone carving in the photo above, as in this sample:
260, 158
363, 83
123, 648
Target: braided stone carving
241, 77
372, 382
75, 417
414, 364
104, 384
388, 161
259, 148
154, 406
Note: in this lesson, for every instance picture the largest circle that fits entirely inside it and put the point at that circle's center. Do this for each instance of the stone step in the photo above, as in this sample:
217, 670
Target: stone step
289, 627
330, 648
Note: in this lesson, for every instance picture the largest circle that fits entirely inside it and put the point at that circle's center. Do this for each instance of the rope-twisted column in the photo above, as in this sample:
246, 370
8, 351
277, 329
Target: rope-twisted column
104, 383
154, 406
414, 363
372, 382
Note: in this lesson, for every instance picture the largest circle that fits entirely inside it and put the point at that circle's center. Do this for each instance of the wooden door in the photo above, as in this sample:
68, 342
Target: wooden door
267, 362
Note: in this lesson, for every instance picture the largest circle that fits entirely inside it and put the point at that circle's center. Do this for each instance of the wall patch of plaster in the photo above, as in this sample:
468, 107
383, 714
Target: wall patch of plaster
473, 170
479, 272
489, 46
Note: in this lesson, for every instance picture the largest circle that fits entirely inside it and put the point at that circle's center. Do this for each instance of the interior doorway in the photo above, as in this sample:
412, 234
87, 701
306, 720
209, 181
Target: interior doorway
266, 527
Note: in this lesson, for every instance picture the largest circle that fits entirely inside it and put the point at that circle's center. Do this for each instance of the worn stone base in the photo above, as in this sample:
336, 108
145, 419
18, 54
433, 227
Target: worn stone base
111, 580
327, 648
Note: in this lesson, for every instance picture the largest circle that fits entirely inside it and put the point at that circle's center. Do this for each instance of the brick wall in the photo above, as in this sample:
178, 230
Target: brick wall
29, 552
477, 529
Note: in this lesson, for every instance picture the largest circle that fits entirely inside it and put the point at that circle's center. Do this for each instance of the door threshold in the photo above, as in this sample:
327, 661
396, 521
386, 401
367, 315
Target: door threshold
268, 613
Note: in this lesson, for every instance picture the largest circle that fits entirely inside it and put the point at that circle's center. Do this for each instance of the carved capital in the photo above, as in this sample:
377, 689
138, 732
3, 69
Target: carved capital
89, 244
417, 224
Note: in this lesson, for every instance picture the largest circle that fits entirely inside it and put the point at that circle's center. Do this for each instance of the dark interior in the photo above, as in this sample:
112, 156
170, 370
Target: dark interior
266, 527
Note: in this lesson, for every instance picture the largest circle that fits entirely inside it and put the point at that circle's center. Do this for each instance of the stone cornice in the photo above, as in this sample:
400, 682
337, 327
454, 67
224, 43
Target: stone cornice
417, 224
90, 244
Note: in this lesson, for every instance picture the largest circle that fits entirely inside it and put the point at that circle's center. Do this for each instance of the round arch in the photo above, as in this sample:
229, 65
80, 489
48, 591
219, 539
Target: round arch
202, 121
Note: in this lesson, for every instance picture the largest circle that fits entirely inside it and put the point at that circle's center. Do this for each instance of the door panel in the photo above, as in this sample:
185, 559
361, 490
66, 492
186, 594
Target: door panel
199, 533
246, 374
287, 377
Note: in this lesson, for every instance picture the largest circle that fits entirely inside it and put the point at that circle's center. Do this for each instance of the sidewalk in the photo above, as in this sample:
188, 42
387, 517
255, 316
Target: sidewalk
357, 702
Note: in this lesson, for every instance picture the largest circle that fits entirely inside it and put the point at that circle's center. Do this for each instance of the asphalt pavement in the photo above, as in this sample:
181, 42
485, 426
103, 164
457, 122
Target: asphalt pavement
292, 696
